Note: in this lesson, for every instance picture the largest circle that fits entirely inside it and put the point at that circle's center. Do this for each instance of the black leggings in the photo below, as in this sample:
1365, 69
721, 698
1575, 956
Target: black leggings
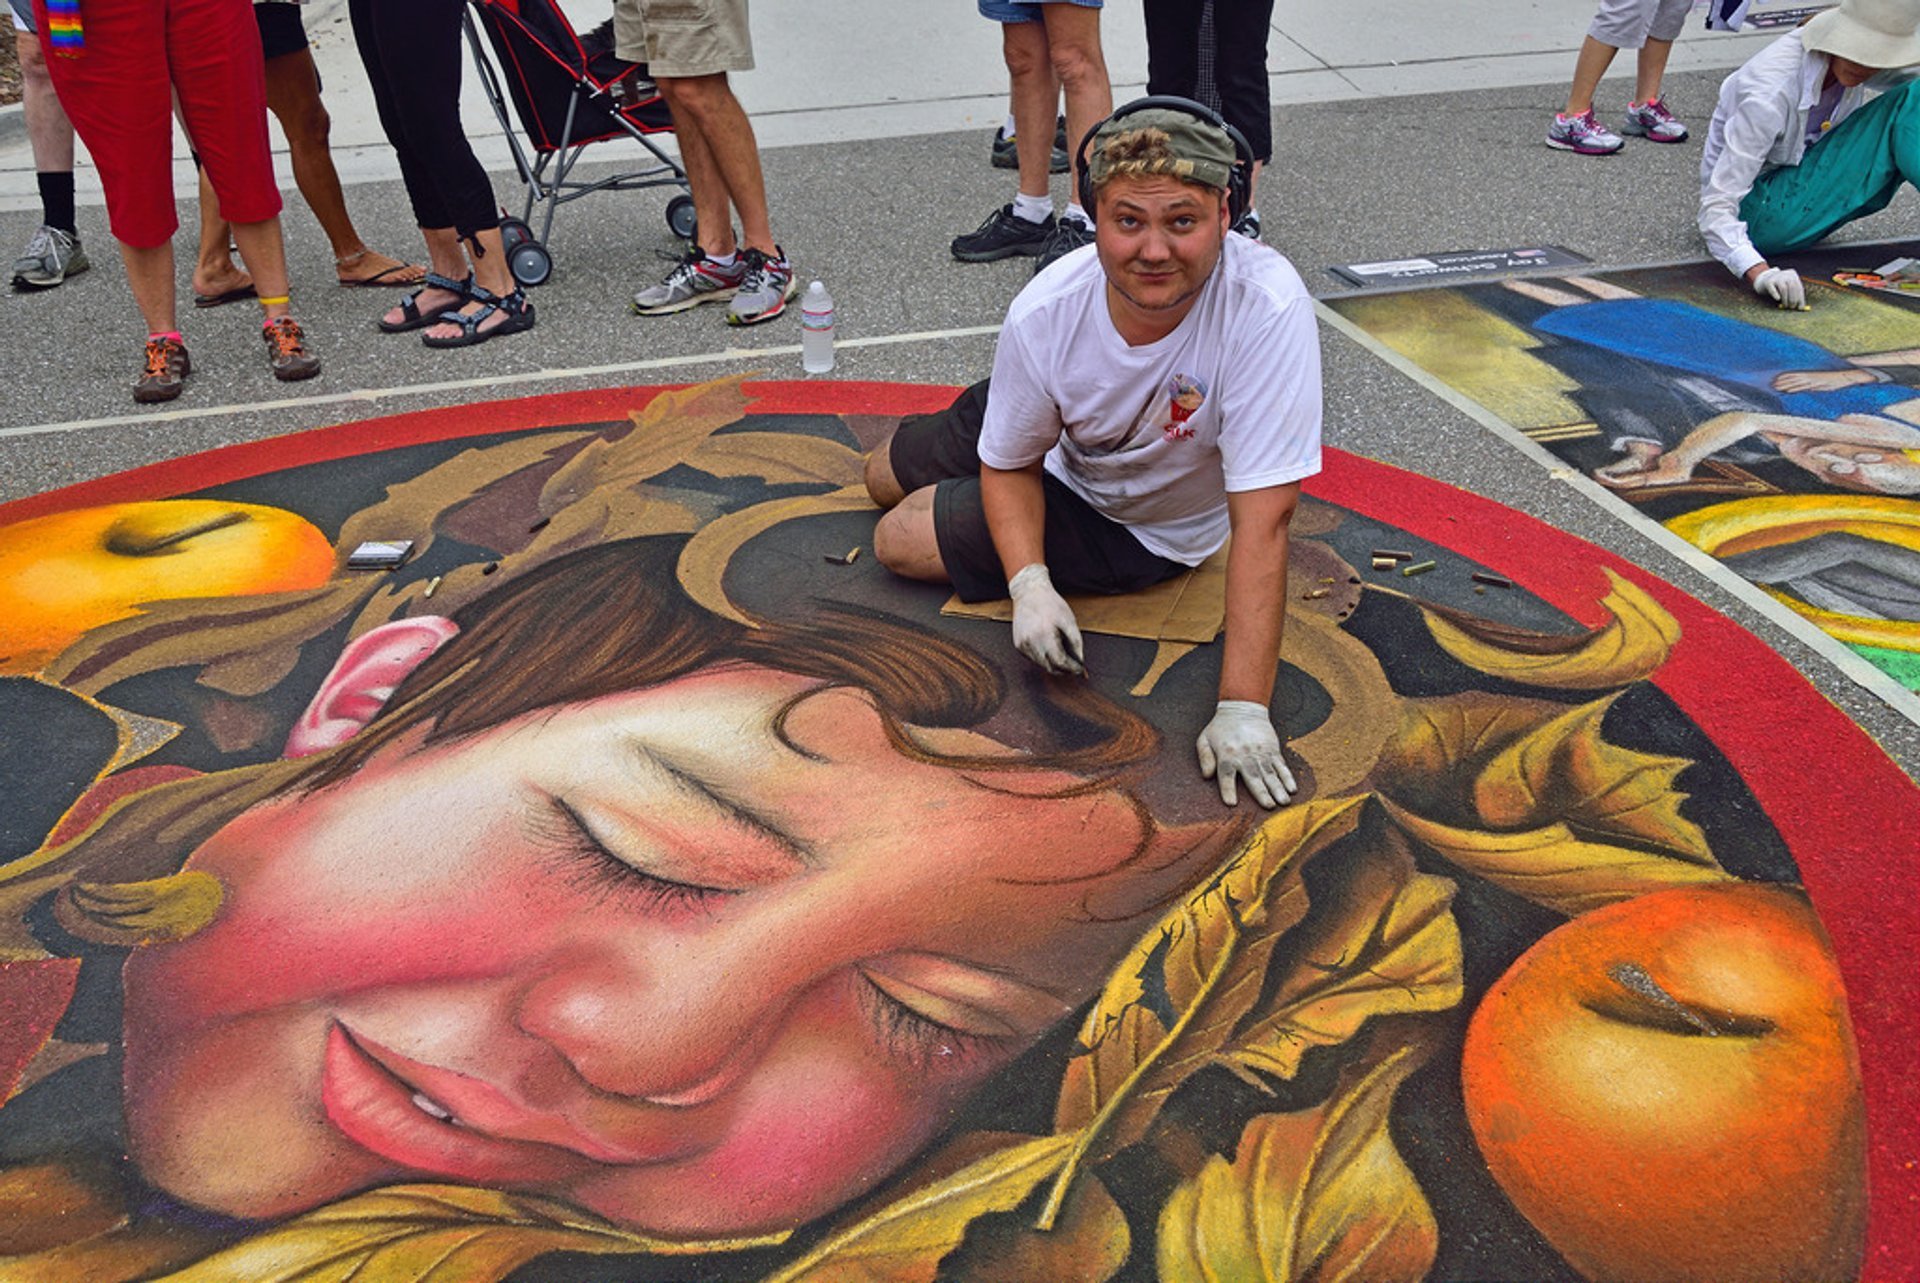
412, 52
1239, 61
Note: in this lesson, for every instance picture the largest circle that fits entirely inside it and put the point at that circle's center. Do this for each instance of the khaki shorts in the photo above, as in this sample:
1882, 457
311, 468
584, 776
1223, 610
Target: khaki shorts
683, 37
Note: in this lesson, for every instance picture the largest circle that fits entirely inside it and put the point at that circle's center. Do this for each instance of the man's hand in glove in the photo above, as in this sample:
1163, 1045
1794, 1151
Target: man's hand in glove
1240, 741
1043, 624
1784, 286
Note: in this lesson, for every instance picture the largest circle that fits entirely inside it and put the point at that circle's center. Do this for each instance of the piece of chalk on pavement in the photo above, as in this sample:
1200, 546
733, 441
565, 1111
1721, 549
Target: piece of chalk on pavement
1417, 568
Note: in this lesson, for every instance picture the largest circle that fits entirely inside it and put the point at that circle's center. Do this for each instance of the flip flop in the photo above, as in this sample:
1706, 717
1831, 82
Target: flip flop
383, 278
233, 295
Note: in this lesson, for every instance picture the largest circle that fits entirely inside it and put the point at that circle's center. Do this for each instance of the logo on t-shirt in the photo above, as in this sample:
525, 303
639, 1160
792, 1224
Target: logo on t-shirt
1185, 395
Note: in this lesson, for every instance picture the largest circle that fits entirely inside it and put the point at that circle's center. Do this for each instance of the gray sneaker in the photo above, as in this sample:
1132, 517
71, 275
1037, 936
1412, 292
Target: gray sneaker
49, 258
1651, 120
697, 279
765, 290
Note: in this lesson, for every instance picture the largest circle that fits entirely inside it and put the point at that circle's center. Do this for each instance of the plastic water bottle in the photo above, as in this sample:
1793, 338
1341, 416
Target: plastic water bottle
816, 330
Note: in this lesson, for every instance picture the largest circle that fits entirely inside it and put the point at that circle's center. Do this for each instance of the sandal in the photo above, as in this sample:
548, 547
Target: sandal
519, 314
412, 318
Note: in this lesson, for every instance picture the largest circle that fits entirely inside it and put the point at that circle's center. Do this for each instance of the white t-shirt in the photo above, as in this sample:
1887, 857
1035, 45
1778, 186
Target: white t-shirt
1155, 436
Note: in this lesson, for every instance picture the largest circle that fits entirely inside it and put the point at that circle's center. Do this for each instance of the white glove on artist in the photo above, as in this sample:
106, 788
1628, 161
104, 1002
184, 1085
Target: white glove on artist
1043, 623
1783, 285
1240, 741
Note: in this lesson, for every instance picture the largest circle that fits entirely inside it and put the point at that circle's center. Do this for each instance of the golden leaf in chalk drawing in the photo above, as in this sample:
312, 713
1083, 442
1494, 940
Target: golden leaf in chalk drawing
1088, 1244
1441, 746
665, 432
429, 1234
1553, 866
779, 458
703, 562
1212, 953
905, 1240
1565, 771
414, 508
129, 914
1380, 940
69, 1222
1317, 1196
1627, 649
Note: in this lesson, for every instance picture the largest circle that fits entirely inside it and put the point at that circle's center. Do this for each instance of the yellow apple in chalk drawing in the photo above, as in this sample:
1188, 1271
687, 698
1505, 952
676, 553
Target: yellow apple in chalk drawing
67, 572
1668, 1089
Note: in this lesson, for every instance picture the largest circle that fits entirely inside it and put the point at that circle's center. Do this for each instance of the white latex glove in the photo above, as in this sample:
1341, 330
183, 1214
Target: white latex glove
1043, 623
1784, 286
1240, 740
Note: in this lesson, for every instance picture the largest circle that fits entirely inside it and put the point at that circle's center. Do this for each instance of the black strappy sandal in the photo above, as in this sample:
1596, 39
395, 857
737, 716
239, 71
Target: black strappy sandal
518, 311
414, 318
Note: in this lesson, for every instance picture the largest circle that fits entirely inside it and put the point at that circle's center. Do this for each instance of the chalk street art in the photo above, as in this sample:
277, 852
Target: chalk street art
636, 884
1785, 444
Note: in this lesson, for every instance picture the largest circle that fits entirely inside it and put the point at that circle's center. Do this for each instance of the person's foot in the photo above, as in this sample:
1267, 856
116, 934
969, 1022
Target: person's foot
287, 350
765, 288
1069, 234
1003, 235
696, 279
367, 268
431, 299
1248, 225
225, 283
51, 256
1583, 134
1006, 149
486, 316
165, 373
1651, 120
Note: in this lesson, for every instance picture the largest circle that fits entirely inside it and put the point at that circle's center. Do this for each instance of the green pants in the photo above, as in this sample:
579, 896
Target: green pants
1852, 172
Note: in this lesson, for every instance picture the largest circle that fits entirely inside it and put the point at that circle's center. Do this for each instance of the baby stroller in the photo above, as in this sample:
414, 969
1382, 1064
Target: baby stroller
569, 93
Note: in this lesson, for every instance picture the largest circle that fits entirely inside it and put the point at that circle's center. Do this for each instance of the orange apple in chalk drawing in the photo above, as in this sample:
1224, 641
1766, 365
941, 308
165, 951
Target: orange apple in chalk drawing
1668, 1088
67, 572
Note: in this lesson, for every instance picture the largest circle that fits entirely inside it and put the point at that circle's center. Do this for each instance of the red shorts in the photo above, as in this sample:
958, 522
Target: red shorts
119, 94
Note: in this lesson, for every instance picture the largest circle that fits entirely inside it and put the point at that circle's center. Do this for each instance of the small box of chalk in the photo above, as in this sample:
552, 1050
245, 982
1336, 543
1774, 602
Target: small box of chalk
380, 554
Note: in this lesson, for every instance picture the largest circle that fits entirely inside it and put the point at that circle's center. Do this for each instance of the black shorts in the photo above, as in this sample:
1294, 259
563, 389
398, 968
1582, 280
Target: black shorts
282, 30
1086, 552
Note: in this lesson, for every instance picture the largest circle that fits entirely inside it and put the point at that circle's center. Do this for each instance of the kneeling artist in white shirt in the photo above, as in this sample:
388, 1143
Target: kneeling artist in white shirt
1152, 393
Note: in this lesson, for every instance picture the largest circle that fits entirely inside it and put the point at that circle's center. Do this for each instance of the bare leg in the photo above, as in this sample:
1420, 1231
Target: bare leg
150, 276
214, 272
882, 486
712, 211
1035, 94
1073, 47
1650, 69
266, 256
904, 541
49, 132
723, 128
1592, 64
293, 95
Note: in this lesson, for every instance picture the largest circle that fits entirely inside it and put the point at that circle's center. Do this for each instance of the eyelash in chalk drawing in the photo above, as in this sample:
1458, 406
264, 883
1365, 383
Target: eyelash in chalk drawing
916, 1038
600, 869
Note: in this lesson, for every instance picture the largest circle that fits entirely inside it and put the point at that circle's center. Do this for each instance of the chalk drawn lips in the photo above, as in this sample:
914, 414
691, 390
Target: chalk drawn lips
442, 1121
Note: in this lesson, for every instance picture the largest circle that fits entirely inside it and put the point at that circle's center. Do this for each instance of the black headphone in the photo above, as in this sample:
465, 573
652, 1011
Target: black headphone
1239, 177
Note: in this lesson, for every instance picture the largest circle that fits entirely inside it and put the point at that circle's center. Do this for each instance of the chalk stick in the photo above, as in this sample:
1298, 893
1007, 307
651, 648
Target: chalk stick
1492, 581
1417, 568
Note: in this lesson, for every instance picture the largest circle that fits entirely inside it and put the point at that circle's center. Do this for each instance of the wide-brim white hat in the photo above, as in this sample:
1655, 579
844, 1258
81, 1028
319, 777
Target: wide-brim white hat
1873, 33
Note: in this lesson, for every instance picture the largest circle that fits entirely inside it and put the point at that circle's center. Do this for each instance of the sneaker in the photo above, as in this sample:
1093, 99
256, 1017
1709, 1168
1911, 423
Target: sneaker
765, 288
1583, 134
166, 371
1248, 225
49, 258
1006, 151
1003, 236
1069, 234
1652, 121
287, 351
697, 279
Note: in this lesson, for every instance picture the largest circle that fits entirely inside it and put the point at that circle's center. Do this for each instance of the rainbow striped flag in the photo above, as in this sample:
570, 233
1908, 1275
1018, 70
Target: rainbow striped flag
63, 28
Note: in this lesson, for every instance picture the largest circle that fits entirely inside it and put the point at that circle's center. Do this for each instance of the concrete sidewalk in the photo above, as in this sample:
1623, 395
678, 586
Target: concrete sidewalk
858, 70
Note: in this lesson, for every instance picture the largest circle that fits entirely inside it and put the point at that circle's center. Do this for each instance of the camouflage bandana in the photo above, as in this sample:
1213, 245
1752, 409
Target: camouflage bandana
1161, 141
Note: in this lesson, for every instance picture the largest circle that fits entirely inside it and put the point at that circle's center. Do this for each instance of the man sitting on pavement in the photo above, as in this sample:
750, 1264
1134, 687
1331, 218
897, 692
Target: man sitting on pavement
1800, 145
1151, 394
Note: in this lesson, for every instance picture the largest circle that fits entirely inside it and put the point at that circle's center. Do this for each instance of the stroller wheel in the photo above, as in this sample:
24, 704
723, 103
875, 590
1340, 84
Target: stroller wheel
530, 262
680, 216
514, 233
